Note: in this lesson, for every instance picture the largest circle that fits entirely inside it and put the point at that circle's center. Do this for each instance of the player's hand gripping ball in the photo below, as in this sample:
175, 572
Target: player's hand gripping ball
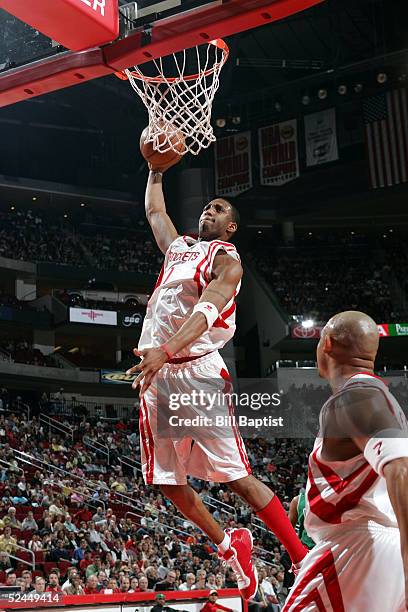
162, 161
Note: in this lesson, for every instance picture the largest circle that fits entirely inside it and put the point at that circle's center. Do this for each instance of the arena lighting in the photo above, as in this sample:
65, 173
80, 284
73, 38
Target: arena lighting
82, 204
236, 120
306, 99
381, 78
34, 198
220, 122
342, 89
358, 87
322, 94
12, 207
65, 216
308, 323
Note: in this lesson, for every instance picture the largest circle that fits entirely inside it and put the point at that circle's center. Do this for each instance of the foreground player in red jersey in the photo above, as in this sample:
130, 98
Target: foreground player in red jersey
190, 315
357, 490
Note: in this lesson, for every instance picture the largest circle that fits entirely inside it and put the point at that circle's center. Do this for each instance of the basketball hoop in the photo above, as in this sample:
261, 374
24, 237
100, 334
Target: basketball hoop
181, 104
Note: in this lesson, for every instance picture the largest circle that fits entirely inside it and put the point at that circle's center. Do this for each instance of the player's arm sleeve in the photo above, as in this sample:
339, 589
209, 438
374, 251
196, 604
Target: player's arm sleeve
367, 417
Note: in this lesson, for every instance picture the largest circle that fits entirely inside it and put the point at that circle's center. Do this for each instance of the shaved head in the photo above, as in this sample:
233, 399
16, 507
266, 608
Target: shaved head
356, 331
349, 340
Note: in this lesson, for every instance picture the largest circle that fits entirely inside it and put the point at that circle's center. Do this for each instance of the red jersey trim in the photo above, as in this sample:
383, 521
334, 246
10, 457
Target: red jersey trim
325, 566
330, 512
337, 483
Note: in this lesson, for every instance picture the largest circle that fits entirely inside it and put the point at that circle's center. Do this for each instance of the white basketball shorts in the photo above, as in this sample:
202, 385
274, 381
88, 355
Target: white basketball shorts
169, 456
355, 569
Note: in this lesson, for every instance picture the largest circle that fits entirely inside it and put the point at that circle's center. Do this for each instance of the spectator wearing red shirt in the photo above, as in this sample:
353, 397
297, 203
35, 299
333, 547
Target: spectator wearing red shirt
91, 585
84, 514
53, 583
112, 587
87, 560
211, 604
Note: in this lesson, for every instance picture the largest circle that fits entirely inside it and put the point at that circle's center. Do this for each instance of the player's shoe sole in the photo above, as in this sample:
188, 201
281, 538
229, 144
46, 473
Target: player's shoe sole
239, 558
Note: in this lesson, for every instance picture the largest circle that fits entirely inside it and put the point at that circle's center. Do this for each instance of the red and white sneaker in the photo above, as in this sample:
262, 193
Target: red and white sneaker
239, 558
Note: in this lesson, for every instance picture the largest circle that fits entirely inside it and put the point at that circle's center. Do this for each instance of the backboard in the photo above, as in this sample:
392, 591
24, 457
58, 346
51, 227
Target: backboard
33, 64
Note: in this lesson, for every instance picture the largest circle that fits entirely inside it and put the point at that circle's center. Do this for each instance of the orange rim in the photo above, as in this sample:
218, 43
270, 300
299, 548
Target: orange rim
218, 42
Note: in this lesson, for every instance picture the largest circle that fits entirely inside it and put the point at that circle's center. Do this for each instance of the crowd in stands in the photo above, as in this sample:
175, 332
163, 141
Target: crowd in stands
25, 236
318, 280
28, 236
22, 351
73, 516
10, 300
95, 527
311, 279
124, 254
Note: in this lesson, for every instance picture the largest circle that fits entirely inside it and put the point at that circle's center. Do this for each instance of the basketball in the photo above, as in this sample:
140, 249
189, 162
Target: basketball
162, 160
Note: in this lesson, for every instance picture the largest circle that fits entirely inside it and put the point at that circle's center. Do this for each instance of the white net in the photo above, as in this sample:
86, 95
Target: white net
180, 105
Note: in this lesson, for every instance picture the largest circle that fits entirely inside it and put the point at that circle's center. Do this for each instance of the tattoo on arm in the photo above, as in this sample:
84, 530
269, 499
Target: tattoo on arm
219, 293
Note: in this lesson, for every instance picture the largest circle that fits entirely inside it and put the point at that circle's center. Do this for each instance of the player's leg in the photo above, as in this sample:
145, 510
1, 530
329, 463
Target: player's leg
270, 510
219, 455
165, 462
189, 503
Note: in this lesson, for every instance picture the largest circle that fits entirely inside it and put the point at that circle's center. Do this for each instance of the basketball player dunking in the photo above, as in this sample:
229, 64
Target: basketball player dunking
357, 490
190, 315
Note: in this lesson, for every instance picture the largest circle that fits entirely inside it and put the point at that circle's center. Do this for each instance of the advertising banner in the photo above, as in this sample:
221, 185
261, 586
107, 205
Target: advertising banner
321, 138
278, 153
116, 377
233, 165
393, 329
130, 319
385, 330
94, 317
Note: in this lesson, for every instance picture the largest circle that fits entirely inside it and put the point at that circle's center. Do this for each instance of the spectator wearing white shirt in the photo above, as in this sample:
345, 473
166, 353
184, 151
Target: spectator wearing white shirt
188, 585
29, 523
267, 592
69, 525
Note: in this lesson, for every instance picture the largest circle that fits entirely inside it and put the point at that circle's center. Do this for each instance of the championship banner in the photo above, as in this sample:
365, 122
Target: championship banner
278, 153
233, 164
130, 319
94, 317
116, 377
321, 138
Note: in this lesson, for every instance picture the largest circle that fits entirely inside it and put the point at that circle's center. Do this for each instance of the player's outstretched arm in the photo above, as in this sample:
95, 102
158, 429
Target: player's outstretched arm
364, 416
160, 222
227, 273
396, 476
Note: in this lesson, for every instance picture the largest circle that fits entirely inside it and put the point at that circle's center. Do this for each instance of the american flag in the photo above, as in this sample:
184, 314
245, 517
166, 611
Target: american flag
386, 126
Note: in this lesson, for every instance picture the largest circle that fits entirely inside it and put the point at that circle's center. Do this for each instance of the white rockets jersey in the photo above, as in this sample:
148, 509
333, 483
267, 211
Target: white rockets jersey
186, 272
338, 492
